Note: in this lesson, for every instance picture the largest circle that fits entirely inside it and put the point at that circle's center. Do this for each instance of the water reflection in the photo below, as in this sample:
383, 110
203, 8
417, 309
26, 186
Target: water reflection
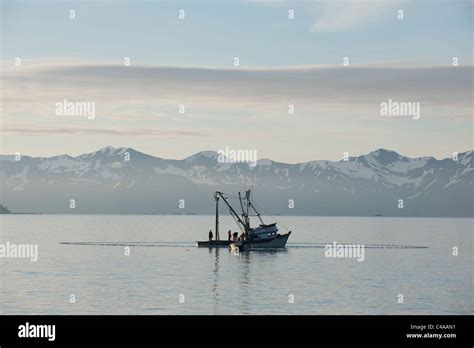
261, 281
244, 282
214, 289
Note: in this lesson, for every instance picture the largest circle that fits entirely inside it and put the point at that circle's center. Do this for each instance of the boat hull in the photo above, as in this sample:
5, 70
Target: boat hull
278, 242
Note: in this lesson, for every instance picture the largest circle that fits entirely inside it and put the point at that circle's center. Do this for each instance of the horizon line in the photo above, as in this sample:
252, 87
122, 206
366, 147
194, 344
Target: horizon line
216, 152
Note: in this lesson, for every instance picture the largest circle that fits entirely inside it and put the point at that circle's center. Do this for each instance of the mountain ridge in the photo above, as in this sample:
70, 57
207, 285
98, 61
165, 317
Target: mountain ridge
125, 181
109, 148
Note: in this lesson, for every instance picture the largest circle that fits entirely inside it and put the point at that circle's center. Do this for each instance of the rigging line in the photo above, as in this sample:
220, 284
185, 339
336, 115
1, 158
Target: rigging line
267, 213
236, 221
230, 196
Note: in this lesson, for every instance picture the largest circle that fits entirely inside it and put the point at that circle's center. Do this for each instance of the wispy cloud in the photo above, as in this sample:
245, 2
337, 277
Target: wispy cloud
37, 130
350, 14
338, 15
137, 103
140, 91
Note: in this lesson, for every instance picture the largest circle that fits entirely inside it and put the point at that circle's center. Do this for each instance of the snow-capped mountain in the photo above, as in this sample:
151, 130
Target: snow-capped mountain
123, 180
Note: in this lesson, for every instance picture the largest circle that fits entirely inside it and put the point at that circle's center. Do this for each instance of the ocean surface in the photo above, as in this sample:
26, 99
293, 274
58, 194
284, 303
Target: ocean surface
166, 274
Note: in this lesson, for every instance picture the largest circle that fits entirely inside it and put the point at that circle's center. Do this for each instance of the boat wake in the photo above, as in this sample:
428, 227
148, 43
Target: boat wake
137, 244
367, 246
193, 244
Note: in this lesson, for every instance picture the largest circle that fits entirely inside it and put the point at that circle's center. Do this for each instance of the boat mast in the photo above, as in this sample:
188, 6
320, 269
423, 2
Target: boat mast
247, 196
217, 216
241, 204
244, 215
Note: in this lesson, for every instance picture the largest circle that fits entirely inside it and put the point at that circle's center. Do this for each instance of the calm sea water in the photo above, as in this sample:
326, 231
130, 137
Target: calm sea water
165, 267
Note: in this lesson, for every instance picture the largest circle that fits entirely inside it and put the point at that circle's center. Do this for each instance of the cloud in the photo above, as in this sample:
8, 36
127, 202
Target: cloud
137, 91
339, 15
37, 130
136, 103
345, 15
144, 100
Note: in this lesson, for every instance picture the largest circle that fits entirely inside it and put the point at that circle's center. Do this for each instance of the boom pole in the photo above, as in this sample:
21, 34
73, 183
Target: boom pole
232, 211
256, 212
217, 217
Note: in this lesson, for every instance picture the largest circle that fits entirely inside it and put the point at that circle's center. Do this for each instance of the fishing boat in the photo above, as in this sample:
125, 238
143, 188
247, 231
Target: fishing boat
262, 237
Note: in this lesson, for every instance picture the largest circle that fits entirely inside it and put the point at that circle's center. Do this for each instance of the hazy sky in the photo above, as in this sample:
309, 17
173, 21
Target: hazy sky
283, 61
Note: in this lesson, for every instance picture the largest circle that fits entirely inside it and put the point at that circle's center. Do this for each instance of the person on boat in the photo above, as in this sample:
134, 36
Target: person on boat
210, 235
235, 236
229, 235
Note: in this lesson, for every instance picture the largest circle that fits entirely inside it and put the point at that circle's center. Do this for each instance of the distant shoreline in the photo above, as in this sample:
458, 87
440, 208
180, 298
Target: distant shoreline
279, 215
